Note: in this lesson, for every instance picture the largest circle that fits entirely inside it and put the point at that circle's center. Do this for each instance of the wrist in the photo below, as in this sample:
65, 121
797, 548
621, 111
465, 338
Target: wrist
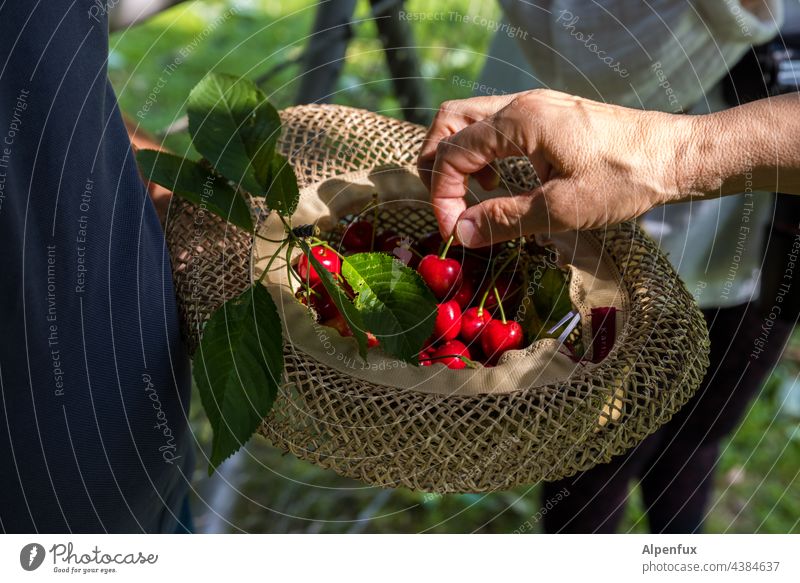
724, 156
697, 157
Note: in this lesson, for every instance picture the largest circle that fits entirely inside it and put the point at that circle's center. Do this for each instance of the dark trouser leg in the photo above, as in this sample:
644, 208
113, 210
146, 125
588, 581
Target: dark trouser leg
676, 463
677, 483
677, 487
594, 500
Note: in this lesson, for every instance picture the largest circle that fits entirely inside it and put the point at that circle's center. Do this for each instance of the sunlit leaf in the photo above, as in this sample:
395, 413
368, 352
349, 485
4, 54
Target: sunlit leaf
234, 126
394, 302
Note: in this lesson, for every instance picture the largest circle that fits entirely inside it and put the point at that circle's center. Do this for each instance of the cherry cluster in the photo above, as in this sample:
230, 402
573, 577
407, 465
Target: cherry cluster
475, 290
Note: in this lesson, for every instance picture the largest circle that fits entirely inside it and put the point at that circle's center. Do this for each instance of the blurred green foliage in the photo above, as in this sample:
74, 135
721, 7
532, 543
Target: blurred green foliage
249, 37
267, 491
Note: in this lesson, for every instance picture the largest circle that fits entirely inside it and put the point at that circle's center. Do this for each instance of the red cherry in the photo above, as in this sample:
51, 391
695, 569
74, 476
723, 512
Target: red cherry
429, 244
473, 323
329, 260
397, 246
387, 241
323, 303
339, 324
497, 337
448, 353
448, 321
358, 236
490, 251
425, 358
443, 276
465, 294
476, 268
507, 287
389, 244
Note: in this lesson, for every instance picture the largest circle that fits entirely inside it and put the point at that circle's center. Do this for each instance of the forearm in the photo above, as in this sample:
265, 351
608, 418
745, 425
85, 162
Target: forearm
747, 148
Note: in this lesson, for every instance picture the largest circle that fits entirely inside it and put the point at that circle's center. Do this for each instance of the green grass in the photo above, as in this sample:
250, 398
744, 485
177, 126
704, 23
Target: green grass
757, 479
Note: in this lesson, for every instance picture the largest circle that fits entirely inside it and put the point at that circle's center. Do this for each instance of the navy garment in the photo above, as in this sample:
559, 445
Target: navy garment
94, 378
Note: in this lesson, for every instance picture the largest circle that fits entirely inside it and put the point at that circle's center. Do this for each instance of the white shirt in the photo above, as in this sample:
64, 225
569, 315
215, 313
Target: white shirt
666, 55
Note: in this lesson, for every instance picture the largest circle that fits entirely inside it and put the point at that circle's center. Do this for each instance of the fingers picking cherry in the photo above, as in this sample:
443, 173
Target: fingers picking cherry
498, 337
443, 276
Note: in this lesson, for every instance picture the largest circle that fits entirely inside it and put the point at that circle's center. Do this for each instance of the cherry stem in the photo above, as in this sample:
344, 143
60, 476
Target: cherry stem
262, 237
273, 258
415, 252
493, 281
286, 224
500, 305
291, 272
447, 247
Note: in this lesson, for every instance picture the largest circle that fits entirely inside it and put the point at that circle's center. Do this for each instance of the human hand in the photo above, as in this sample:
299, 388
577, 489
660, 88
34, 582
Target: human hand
598, 164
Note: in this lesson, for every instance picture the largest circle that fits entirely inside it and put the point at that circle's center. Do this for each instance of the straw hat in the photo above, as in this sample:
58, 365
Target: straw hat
538, 415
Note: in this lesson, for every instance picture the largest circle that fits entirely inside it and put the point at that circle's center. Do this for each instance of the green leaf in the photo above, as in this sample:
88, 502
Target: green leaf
551, 298
282, 194
394, 302
238, 369
343, 303
197, 184
234, 126
531, 323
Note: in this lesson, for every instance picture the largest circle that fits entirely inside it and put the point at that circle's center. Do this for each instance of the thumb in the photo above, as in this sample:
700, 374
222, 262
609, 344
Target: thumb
507, 218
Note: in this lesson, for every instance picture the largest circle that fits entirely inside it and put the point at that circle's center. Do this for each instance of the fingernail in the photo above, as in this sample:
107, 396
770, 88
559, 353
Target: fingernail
467, 233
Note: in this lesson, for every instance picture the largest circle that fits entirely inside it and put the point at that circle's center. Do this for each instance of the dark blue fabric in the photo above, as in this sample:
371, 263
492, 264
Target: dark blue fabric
94, 378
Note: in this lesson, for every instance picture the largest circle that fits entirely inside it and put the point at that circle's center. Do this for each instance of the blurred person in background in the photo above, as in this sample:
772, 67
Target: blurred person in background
671, 56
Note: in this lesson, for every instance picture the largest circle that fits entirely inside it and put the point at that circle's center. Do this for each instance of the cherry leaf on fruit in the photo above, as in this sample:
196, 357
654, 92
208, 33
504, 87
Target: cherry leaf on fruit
394, 302
282, 193
343, 303
196, 184
234, 126
238, 369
